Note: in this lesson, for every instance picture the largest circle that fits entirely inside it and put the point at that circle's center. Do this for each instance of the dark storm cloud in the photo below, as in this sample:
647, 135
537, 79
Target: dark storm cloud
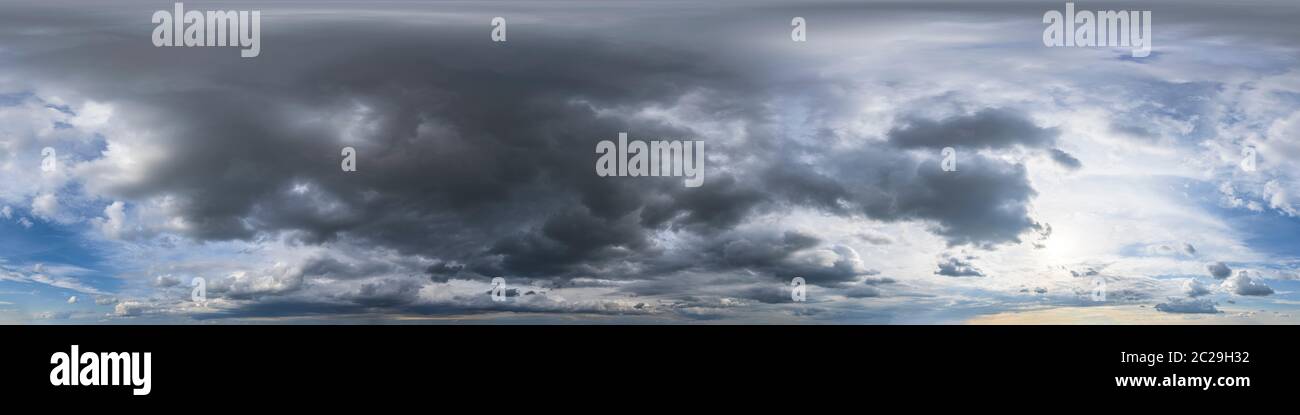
1218, 270
986, 202
479, 156
1166, 110
862, 292
988, 128
467, 152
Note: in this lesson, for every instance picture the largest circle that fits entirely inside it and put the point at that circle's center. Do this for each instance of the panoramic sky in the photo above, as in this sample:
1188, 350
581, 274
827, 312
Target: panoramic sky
1169, 179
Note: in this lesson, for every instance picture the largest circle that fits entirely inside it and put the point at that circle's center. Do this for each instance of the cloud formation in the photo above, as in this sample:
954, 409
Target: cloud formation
1188, 306
475, 160
1244, 284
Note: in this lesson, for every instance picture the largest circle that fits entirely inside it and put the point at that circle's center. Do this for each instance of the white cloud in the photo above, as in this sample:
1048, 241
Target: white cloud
92, 115
1111, 213
114, 219
1194, 288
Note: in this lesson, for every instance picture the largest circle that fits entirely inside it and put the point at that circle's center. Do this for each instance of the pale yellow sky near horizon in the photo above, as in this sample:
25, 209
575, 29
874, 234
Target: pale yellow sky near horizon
1131, 315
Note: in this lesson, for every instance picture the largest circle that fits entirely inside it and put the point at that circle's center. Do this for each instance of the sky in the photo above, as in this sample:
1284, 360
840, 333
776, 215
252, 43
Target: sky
1167, 180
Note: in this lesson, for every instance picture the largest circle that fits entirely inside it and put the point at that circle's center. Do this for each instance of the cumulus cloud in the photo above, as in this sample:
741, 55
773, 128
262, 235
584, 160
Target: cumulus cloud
954, 266
46, 206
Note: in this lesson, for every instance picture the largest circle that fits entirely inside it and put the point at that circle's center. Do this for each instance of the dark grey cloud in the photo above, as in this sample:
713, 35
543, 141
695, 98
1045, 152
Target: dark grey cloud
986, 129
333, 268
954, 266
386, 292
165, 281
863, 291
1218, 270
480, 158
1162, 111
477, 157
1194, 288
1244, 284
